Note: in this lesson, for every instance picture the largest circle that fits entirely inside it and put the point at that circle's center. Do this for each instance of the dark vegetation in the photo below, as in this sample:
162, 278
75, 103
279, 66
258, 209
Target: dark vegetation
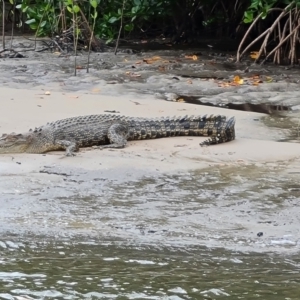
271, 27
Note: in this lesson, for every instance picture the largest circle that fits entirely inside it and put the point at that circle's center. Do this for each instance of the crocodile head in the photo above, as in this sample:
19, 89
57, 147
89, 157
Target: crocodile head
14, 143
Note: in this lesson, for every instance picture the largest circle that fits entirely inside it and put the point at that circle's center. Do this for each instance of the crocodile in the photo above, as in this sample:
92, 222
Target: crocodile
113, 131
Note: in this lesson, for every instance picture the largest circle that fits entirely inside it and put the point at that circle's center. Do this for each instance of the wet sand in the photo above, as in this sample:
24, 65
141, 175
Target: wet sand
54, 195
163, 192
255, 143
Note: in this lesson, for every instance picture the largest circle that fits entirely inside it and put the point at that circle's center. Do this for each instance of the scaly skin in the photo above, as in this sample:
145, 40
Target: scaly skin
113, 131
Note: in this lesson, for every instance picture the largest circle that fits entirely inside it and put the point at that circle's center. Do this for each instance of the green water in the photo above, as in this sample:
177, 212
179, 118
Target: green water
98, 270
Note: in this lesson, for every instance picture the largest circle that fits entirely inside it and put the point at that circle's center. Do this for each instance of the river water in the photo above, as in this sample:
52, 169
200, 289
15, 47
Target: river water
158, 238
53, 269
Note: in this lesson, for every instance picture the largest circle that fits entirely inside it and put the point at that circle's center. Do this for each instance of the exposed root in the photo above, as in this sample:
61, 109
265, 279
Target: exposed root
286, 39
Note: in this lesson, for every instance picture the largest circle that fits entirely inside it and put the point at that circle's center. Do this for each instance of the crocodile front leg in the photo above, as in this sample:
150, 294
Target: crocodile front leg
117, 135
69, 146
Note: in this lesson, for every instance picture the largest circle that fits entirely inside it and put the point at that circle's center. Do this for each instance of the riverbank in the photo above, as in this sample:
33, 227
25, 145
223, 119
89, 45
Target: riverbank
113, 194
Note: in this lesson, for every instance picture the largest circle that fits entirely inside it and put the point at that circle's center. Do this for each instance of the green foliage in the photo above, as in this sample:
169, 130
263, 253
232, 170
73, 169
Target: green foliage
49, 17
136, 12
261, 7
43, 16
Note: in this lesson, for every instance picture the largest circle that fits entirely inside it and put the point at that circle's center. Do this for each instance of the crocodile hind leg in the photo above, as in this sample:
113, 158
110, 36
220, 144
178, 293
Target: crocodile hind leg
117, 135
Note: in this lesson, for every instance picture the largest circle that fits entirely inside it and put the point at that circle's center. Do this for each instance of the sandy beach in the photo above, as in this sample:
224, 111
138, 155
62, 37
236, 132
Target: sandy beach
25, 109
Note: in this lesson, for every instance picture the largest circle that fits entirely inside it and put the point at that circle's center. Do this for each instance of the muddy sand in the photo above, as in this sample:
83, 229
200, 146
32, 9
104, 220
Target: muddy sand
255, 143
241, 195
114, 194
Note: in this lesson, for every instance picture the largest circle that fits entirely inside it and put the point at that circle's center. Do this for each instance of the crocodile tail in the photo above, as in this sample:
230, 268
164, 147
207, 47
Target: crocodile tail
225, 133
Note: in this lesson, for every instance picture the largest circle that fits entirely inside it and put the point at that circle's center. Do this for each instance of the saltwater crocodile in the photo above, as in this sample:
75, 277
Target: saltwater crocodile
113, 131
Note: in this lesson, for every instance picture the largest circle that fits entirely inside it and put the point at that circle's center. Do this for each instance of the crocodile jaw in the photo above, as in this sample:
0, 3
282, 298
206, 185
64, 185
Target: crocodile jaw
15, 143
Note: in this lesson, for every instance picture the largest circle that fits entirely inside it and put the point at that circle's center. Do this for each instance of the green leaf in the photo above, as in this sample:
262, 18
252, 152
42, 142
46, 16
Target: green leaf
133, 18
43, 24
70, 9
248, 16
264, 13
31, 21
112, 20
253, 5
135, 9
24, 9
109, 40
11, 2
33, 26
94, 3
137, 2
30, 11
76, 9
129, 27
